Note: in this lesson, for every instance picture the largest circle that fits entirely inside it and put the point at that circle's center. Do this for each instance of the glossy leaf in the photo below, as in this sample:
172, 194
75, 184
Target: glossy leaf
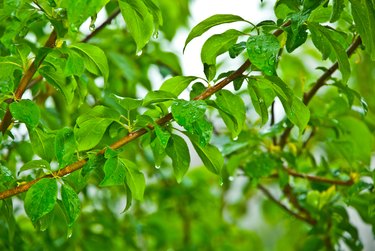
35, 164
41, 199
71, 202
42, 143
261, 165
226, 101
296, 32
196, 90
210, 22
215, 46
262, 51
139, 21
134, 178
94, 58
331, 44
178, 151
157, 97
114, 171
364, 18
338, 7
297, 112
177, 85
262, 95
25, 111
162, 135
130, 103
210, 155
190, 115
91, 126
65, 146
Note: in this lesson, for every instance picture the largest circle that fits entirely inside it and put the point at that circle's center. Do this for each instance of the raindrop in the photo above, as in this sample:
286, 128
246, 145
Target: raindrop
230, 178
139, 53
157, 166
155, 35
257, 49
261, 101
73, 28
92, 27
271, 61
235, 138
69, 233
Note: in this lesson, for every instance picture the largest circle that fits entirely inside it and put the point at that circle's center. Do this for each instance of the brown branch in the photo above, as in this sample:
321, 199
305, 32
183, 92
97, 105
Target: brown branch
319, 83
27, 81
7, 119
319, 179
99, 28
281, 205
134, 135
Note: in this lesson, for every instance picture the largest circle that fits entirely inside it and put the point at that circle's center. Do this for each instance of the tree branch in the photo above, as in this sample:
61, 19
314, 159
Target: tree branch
277, 202
134, 135
7, 119
319, 83
319, 179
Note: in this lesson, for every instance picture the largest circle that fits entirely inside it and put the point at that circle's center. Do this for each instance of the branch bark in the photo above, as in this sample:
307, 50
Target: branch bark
319, 179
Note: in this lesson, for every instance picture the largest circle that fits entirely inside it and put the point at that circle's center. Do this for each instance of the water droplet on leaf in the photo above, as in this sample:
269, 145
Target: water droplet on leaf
155, 35
92, 27
157, 167
258, 49
235, 138
139, 53
73, 28
69, 233
231, 178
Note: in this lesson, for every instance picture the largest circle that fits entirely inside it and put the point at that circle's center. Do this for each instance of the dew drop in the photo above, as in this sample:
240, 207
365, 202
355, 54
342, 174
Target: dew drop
139, 53
261, 101
92, 27
271, 61
235, 138
157, 167
155, 35
73, 28
69, 233
230, 178
257, 49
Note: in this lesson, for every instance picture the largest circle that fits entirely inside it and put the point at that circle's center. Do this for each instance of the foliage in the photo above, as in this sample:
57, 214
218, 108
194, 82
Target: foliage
80, 143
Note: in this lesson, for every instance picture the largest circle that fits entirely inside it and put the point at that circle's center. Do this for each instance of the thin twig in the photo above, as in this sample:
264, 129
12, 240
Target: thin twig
277, 202
319, 179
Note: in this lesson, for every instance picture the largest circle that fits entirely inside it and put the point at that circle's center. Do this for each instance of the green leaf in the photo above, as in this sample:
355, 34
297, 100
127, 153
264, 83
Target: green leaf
261, 165
262, 51
190, 115
74, 64
364, 18
90, 127
215, 46
196, 90
162, 135
262, 96
296, 111
139, 21
134, 179
25, 111
42, 143
94, 58
65, 146
130, 103
114, 171
338, 7
41, 199
233, 105
210, 22
209, 154
71, 202
310, 5
158, 150
177, 85
296, 32
178, 151
79, 10
157, 97
331, 44
35, 164
52, 71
